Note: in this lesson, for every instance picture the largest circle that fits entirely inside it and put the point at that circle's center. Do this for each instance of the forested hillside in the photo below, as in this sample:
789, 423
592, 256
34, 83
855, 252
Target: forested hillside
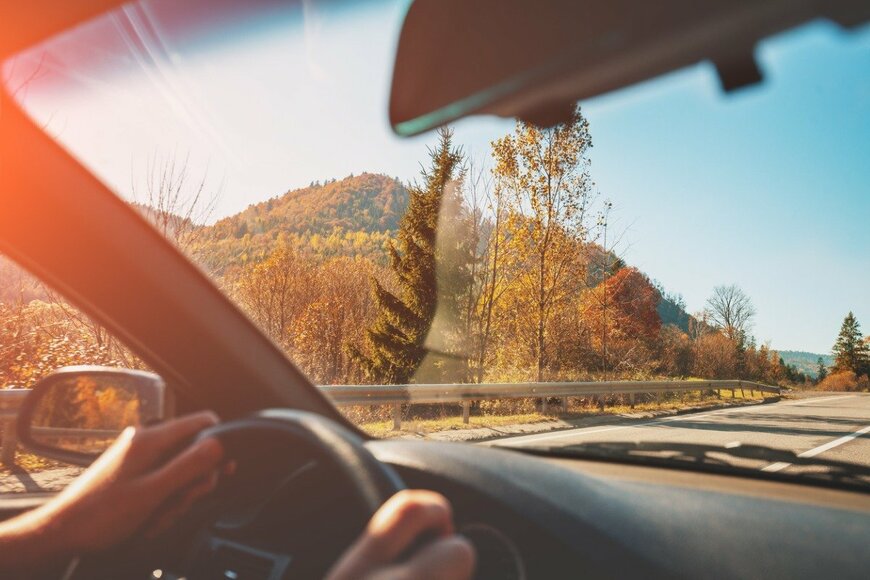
806, 362
353, 216
498, 273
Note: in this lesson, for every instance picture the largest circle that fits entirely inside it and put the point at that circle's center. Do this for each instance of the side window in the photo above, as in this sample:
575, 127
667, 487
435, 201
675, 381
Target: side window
40, 332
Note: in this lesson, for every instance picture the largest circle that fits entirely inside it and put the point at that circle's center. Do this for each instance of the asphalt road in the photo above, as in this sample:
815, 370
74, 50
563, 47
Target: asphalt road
826, 426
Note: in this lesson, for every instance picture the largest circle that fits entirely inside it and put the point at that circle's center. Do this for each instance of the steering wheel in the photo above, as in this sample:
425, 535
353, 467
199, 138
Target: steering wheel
276, 433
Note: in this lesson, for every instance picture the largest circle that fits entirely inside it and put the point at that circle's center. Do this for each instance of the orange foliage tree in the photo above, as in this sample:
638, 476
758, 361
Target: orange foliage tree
621, 313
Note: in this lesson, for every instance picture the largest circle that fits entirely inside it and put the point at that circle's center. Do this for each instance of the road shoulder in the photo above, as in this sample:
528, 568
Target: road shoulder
481, 434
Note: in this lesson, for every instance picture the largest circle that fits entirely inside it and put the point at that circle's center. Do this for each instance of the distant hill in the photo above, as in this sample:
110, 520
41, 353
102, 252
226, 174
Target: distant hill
805, 362
672, 311
356, 215
351, 216
369, 202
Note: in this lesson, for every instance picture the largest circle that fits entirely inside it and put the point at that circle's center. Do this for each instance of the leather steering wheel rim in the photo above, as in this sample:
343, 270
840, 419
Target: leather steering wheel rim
372, 482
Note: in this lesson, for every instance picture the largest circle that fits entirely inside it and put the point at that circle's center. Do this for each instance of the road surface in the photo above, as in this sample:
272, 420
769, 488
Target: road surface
829, 426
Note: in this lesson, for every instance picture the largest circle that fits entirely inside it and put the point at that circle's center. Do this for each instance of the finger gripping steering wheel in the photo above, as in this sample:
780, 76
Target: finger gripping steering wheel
369, 481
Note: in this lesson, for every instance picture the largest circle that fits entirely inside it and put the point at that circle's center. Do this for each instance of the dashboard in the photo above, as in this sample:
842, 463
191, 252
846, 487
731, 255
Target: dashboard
533, 517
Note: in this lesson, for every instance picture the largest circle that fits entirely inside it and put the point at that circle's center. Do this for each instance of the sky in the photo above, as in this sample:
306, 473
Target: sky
767, 188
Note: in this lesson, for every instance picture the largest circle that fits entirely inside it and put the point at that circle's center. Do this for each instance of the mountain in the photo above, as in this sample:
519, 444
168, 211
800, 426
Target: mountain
368, 202
356, 215
805, 362
351, 216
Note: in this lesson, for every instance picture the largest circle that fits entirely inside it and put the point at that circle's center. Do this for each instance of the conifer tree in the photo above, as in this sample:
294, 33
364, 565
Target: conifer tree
850, 352
822, 371
396, 339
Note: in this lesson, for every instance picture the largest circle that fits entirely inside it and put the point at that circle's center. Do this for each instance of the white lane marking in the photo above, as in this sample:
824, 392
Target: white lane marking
835, 443
776, 466
524, 439
780, 465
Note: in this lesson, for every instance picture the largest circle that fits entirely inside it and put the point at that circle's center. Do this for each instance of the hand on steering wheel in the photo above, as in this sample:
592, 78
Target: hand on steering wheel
394, 529
133, 492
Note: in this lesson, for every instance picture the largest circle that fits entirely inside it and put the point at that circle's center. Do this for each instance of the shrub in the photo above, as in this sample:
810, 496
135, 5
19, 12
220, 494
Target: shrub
844, 381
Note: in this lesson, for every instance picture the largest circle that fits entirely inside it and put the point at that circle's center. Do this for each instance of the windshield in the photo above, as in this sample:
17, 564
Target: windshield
669, 249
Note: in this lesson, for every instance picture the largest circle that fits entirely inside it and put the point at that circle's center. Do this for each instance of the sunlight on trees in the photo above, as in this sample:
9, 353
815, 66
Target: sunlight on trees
492, 269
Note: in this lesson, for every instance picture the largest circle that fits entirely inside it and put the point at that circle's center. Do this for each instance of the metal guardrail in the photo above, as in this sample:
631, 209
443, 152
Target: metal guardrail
398, 395
465, 394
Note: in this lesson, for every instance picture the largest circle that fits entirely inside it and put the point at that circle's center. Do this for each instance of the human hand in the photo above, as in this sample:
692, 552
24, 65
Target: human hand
132, 487
397, 525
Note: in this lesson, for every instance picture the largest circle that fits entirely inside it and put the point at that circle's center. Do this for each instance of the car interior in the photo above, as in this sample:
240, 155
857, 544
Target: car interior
308, 478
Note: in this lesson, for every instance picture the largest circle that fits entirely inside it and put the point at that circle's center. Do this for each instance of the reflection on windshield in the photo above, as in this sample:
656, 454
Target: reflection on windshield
665, 233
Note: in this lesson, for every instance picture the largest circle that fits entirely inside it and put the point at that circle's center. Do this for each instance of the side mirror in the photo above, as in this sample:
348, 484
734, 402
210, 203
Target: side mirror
75, 413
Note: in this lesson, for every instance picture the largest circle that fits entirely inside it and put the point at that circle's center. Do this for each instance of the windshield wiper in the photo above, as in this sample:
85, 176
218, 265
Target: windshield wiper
710, 458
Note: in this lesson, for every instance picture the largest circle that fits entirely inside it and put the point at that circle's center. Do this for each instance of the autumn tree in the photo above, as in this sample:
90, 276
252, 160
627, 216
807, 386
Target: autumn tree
622, 310
545, 170
39, 332
850, 351
487, 208
730, 310
395, 344
713, 356
675, 352
604, 263
275, 291
333, 320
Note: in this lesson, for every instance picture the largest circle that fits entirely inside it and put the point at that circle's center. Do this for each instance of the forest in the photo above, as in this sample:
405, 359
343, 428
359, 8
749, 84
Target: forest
500, 269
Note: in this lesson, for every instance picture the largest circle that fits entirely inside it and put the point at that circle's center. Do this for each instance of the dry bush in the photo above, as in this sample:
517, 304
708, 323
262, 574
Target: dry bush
507, 406
360, 414
844, 381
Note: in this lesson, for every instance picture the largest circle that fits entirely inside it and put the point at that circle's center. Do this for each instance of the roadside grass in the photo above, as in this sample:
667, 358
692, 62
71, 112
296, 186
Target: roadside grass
382, 429
427, 419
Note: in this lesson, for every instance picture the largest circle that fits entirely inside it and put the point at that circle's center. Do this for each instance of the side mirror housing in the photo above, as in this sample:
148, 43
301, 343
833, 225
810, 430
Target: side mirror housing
75, 413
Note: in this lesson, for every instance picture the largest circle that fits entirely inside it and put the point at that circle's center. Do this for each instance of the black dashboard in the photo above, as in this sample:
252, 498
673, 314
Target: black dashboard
533, 517
583, 518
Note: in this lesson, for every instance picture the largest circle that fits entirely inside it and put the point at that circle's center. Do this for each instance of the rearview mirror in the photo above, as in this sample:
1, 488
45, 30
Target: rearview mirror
535, 59
75, 413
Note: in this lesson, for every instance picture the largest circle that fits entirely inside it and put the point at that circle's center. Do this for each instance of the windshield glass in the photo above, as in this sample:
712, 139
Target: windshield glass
671, 248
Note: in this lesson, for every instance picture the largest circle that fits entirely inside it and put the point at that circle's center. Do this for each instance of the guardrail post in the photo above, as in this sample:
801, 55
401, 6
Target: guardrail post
397, 417
466, 410
10, 442
564, 404
631, 400
544, 406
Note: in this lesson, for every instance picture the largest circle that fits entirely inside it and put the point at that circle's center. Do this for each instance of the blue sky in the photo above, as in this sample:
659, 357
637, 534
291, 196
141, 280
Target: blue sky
768, 188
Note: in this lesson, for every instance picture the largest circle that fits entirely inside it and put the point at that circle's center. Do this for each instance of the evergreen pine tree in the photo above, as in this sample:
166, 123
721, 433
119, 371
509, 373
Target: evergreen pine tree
397, 335
740, 351
822, 371
850, 352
